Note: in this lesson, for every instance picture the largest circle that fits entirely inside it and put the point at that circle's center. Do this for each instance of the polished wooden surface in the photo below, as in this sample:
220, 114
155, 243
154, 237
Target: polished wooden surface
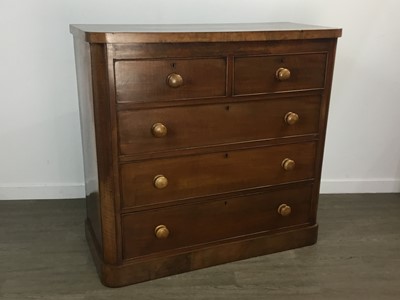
215, 173
207, 150
257, 75
97, 145
207, 222
145, 80
216, 124
88, 135
201, 32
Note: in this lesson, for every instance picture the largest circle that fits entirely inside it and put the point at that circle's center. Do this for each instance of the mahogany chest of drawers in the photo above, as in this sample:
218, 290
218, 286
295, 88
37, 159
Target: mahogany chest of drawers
202, 144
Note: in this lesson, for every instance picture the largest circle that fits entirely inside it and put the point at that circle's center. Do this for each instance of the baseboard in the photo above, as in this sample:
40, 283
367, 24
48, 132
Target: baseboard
359, 185
77, 190
42, 191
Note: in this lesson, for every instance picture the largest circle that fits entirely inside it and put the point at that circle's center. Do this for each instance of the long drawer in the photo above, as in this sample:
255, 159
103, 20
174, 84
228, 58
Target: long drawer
172, 179
169, 79
151, 231
279, 73
203, 125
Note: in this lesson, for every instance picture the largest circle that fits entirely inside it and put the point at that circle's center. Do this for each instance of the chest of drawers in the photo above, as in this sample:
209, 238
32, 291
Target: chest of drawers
202, 144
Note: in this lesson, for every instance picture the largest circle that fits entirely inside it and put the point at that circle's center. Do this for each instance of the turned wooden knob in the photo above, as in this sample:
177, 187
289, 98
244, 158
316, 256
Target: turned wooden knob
161, 232
284, 210
174, 80
282, 74
159, 130
160, 181
291, 118
288, 164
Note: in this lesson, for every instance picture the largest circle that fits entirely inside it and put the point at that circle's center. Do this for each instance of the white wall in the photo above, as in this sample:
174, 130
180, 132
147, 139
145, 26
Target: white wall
40, 153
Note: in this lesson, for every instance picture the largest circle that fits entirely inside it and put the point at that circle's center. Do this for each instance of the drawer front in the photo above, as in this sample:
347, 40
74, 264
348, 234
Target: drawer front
160, 80
204, 125
216, 173
258, 75
187, 225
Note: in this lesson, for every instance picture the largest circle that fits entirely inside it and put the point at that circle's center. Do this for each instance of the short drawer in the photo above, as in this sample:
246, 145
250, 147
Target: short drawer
181, 226
173, 179
279, 73
215, 124
162, 80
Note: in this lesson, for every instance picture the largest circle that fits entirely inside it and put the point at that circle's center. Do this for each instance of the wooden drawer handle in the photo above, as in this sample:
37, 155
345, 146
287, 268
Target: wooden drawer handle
288, 164
159, 130
161, 232
291, 118
160, 181
284, 210
174, 80
282, 74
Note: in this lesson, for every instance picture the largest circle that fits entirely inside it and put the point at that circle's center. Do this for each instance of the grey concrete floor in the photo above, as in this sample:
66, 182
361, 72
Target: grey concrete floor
43, 255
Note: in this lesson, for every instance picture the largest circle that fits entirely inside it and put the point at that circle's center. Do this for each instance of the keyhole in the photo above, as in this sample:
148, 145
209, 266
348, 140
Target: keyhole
227, 107
226, 155
173, 65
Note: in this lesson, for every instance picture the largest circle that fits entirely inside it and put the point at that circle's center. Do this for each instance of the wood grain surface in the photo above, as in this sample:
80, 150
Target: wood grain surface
216, 124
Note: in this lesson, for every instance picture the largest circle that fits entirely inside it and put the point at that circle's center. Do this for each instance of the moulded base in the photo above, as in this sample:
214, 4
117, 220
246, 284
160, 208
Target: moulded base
144, 269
